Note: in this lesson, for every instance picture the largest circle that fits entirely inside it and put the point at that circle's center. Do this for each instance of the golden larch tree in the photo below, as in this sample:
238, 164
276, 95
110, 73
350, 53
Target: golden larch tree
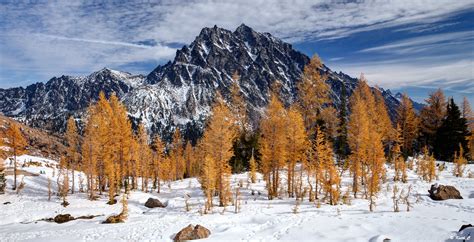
330, 179
145, 160
313, 93
358, 139
375, 162
159, 161
253, 168
190, 160
297, 145
273, 144
459, 162
397, 158
409, 122
208, 180
176, 156
17, 144
382, 120
314, 164
217, 142
90, 150
121, 136
73, 148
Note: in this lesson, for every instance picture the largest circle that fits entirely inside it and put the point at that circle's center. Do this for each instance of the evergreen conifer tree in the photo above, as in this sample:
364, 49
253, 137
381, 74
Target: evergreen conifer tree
452, 133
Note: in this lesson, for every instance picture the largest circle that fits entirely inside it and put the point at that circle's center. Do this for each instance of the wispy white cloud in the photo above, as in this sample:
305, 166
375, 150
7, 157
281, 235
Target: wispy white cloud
422, 43
455, 75
81, 36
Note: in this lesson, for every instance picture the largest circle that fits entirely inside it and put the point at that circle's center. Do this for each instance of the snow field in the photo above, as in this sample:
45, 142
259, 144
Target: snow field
259, 219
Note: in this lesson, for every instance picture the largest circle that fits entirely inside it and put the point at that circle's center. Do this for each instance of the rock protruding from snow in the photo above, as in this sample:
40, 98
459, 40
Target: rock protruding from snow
63, 218
464, 226
192, 232
467, 234
441, 192
154, 203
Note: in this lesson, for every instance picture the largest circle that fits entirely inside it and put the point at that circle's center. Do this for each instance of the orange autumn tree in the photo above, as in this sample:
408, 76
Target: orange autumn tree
145, 160
382, 120
122, 137
159, 163
322, 168
90, 151
409, 122
313, 93
397, 158
17, 144
178, 166
296, 145
358, 128
365, 136
273, 144
208, 180
190, 160
329, 177
459, 162
217, 143
72, 151
253, 169
108, 147
106, 166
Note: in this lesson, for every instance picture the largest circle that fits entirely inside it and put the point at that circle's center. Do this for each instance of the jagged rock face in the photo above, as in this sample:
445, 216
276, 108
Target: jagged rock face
187, 86
180, 93
48, 105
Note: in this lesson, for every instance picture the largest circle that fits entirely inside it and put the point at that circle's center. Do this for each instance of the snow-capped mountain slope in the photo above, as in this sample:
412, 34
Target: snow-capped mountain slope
48, 105
179, 93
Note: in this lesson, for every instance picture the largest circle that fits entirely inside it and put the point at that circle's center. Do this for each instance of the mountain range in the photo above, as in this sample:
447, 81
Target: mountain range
180, 93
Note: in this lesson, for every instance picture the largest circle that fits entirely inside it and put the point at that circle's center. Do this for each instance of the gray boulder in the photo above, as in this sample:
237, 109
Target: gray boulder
154, 203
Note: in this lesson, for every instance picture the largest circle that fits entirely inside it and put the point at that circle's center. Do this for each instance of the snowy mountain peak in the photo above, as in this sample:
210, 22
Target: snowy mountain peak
181, 92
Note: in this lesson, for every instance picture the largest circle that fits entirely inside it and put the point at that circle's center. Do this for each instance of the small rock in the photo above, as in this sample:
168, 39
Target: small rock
465, 226
441, 192
154, 203
63, 218
184, 234
200, 232
192, 233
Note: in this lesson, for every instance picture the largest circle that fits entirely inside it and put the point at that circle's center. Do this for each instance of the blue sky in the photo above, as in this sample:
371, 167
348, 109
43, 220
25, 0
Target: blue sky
413, 46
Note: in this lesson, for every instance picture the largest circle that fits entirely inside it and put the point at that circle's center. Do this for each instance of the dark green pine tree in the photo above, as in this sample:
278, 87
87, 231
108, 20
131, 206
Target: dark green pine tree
452, 132
342, 148
243, 147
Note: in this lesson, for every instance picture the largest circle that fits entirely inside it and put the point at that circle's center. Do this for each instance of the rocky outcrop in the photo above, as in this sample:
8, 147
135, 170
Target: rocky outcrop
464, 226
154, 203
441, 192
63, 218
192, 233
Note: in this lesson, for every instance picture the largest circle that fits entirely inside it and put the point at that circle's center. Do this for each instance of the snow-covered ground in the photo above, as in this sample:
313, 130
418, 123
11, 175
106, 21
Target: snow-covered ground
258, 220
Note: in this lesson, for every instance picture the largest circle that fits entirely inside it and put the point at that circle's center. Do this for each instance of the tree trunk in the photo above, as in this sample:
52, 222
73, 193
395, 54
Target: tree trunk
72, 173
14, 169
